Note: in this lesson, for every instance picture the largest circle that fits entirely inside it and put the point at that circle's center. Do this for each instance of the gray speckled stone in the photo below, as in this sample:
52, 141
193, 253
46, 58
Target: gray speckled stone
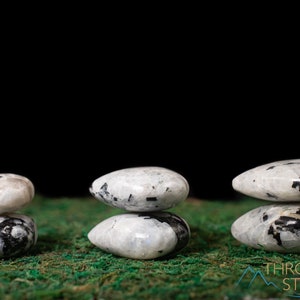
276, 181
18, 234
141, 189
271, 227
16, 191
141, 236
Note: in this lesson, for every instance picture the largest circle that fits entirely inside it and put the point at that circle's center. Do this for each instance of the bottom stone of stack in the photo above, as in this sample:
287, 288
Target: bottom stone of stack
270, 227
18, 234
141, 235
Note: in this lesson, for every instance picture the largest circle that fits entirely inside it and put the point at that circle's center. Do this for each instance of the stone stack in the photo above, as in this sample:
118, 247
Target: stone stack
18, 232
273, 227
146, 231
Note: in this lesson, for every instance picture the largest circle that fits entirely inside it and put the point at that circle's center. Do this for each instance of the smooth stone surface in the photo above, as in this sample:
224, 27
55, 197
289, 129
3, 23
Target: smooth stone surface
16, 191
141, 189
271, 227
277, 181
18, 234
141, 236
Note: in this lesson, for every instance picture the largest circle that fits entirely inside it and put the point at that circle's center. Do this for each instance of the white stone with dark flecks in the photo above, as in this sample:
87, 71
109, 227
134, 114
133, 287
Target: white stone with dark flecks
274, 227
141, 189
141, 235
276, 181
18, 234
16, 191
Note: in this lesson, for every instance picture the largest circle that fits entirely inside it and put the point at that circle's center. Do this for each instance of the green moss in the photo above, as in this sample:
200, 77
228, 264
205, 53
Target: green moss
65, 265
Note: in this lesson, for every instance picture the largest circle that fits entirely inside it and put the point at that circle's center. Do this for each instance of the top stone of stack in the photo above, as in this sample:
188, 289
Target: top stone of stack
16, 191
277, 181
141, 189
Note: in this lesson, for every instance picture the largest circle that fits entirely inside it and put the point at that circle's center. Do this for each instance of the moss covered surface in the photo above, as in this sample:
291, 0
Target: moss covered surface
65, 265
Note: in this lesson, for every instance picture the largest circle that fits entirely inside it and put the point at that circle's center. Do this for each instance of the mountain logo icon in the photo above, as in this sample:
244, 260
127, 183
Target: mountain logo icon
256, 275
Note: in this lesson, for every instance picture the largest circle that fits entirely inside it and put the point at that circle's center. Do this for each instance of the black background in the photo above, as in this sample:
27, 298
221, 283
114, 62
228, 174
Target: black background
208, 104
63, 149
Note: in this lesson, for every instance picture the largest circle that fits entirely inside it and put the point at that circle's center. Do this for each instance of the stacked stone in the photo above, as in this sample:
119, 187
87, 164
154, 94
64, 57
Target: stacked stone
274, 227
146, 231
18, 232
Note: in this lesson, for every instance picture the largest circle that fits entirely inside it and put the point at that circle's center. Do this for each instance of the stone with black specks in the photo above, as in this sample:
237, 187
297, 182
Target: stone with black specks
18, 234
141, 235
277, 181
141, 189
274, 227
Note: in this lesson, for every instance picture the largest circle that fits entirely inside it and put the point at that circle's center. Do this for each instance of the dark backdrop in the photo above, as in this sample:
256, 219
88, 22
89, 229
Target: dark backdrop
62, 149
208, 104
207, 97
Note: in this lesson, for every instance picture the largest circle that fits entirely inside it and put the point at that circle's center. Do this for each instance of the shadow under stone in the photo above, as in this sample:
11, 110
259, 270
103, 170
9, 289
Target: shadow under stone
49, 244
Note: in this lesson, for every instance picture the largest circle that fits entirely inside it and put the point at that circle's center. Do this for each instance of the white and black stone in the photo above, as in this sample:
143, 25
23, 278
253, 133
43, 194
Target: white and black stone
16, 191
276, 181
18, 234
141, 189
141, 235
271, 227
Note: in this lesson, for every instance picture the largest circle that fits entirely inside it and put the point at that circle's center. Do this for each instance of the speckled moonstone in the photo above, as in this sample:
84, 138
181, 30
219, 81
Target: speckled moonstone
271, 227
141, 236
141, 189
16, 191
276, 181
18, 234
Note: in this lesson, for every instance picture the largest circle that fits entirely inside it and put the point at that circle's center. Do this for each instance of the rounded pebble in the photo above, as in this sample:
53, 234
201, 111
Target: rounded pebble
16, 191
141, 189
277, 181
271, 227
141, 236
18, 234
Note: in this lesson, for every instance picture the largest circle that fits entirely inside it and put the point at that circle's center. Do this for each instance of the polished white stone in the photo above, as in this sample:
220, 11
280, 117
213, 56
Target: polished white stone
276, 181
16, 191
141, 236
141, 189
274, 227
18, 234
